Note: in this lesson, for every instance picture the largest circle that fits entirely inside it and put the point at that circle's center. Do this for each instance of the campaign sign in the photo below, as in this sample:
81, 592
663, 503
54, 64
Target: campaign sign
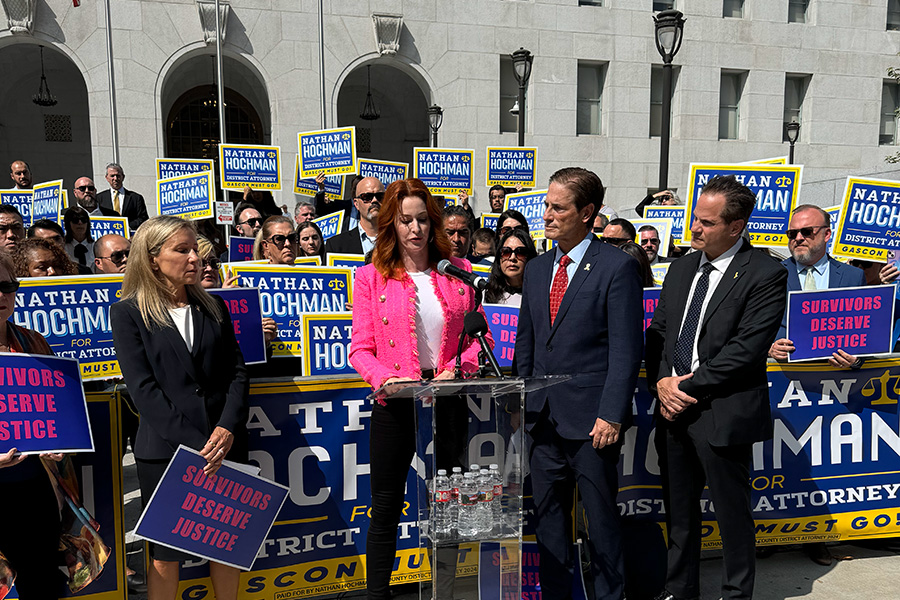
334, 184
870, 221
834, 219
246, 317
101, 226
286, 293
385, 171
310, 261
167, 168
531, 205
663, 228
445, 171
240, 249
482, 268
241, 165
21, 199
223, 517
326, 344
675, 213
775, 160
187, 196
330, 151
776, 188
510, 167
651, 301
42, 405
72, 313
856, 320
489, 220
498, 573
47, 201
346, 260
330, 224
503, 321
660, 270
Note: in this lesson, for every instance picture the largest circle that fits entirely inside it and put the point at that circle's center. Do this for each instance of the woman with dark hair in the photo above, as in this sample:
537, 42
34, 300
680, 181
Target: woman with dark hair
38, 257
641, 256
311, 242
407, 320
508, 271
509, 220
79, 243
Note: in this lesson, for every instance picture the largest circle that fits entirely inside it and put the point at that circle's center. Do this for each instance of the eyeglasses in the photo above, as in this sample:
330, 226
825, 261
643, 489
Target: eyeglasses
254, 222
646, 241
505, 230
86, 188
279, 239
598, 229
117, 257
614, 240
369, 196
211, 263
8, 287
80, 220
519, 251
806, 231
16, 228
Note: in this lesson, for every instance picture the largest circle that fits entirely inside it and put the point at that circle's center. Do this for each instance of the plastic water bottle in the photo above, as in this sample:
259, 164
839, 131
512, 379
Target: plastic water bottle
440, 506
485, 502
455, 481
497, 502
511, 518
468, 505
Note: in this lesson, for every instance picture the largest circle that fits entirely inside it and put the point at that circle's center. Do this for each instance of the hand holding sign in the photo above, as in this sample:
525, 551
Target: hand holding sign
216, 449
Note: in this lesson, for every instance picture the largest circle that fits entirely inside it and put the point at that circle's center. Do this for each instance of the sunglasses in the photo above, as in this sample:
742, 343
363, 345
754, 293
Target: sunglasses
806, 231
369, 196
211, 263
614, 240
16, 228
506, 252
646, 241
79, 220
117, 257
252, 222
86, 188
279, 239
8, 287
505, 230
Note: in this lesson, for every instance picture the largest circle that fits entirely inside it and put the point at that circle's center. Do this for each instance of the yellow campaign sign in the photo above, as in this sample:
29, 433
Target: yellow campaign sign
242, 165
328, 151
189, 196
510, 166
777, 160
869, 223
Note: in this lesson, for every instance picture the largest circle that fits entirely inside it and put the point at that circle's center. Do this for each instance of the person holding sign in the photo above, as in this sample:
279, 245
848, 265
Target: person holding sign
180, 359
276, 241
407, 320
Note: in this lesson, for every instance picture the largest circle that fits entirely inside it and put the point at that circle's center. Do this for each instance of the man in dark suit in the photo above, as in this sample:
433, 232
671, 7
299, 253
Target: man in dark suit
649, 241
580, 316
718, 313
124, 202
361, 239
85, 194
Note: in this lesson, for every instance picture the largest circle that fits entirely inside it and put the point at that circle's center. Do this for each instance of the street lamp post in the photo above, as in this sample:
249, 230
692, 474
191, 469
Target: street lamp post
522, 60
669, 29
792, 130
435, 118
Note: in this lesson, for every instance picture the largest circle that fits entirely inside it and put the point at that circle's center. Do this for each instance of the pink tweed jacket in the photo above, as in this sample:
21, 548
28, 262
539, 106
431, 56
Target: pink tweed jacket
383, 343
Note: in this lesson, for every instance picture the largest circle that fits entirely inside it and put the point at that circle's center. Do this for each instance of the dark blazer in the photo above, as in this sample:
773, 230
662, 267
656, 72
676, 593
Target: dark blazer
596, 337
739, 326
181, 394
345, 243
325, 207
840, 275
132, 205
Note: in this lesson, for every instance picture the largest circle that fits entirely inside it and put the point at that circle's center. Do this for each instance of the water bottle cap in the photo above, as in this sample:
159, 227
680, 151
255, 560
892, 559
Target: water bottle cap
474, 467
494, 466
442, 471
469, 475
457, 469
484, 471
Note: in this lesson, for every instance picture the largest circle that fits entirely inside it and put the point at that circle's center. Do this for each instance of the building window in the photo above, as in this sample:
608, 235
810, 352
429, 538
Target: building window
509, 94
590, 93
893, 15
661, 5
797, 11
890, 104
656, 97
730, 90
795, 87
590, 2
733, 8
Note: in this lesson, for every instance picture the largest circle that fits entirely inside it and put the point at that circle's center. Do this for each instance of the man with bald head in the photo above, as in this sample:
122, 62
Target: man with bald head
111, 254
20, 173
367, 199
85, 194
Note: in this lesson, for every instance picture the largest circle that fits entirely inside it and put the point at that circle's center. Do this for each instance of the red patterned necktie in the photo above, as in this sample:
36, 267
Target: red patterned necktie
558, 288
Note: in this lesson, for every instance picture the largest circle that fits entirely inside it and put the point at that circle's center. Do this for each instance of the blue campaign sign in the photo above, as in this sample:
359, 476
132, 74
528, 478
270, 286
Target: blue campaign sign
334, 184
21, 199
870, 220
651, 301
240, 248
47, 201
187, 196
223, 517
101, 226
489, 220
242, 165
497, 582
834, 219
286, 293
776, 188
326, 344
660, 270
675, 213
330, 224
503, 321
445, 171
531, 205
167, 168
385, 171
329, 151
73, 314
246, 316
42, 405
856, 320
510, 167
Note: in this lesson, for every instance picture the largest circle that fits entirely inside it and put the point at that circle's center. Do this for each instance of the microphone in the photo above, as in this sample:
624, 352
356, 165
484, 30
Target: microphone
445, 267
476, 327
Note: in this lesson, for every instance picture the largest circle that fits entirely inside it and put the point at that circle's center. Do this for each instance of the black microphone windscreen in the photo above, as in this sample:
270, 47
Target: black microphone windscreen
475, 324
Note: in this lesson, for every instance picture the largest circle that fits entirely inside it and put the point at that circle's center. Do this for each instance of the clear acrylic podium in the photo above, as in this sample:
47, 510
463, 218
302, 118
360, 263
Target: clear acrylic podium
462, 423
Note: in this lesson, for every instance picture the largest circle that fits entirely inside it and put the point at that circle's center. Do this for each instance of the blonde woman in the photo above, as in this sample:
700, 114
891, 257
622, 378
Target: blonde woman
176, 347
276, 242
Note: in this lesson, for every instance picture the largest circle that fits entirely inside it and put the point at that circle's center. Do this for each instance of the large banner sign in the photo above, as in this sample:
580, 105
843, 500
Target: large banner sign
676, 214
240, 248
330, 224
326, 344
776, 187
503, 321
330, 151
334, 184
42, 405
72, 313
870, 220
21, 199
287, 293
187, 196
246, 316
167, 168
510, 167
531, 205
101, 226
385, 171
445, 171
47, 201
256, 166
857, 320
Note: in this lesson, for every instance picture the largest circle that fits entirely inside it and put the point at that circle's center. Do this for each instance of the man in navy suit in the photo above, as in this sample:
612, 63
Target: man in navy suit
580, 316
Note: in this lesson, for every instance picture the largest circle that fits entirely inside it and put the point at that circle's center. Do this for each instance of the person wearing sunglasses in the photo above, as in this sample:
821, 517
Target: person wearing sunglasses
276, 242
361, 239
509, 220
618, 232
111, 254
649, 241
79, 243
247, 220
508, 271
85, 193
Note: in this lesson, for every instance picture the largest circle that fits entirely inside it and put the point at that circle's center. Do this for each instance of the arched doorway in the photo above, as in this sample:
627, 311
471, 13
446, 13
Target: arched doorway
401, 102
55, 141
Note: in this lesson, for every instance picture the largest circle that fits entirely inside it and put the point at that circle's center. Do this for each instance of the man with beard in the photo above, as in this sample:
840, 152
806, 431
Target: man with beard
20, 174
85, 194
361, 239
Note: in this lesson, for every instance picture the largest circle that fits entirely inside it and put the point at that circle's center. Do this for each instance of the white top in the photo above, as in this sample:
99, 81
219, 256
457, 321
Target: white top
184, 324
429, 320
88, 251
514, 299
